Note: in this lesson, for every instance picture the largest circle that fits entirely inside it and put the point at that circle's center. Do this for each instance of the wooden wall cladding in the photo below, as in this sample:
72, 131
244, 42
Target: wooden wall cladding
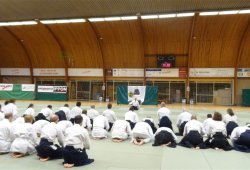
167, 36
80, 45
12, 53
244, 53
122, 44
216, 40
41, 46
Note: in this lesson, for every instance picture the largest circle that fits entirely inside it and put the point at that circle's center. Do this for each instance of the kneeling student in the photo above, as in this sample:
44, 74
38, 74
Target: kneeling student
193, 132
76, 142
120, 131
100, 127
142, 133
240, 138
164, 136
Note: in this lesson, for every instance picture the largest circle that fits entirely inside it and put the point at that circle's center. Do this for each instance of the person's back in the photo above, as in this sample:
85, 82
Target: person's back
110, 115
47, 112
38, 125
50, 132
63, 125
121, 130
11, 108
142, 133
206, 123
6, 134
100, 127
193, 125
66, 110
217, 126
163, 111
92, 113
131, 116
228, 118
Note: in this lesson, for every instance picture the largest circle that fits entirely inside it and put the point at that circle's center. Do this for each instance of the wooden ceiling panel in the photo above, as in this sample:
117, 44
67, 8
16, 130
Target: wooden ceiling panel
167, 36
12, 53
244, 60
121, 43
216, 40
41, 46
80, 45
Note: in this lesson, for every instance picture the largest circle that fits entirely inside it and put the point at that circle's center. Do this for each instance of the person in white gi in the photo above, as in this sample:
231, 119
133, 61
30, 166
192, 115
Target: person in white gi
120, 131
77, 110
45, 113
142, 133
6, 133
30, 110
182, 119
63, 125
110, 115
231, 121
86, 120
131, 117
163, 111
217, 134
25, 138
206, 123
11, 108
92, 113
38, 125
100, 127
76, 142
164, 136
240, 138
135, 103
46, 149
192, 133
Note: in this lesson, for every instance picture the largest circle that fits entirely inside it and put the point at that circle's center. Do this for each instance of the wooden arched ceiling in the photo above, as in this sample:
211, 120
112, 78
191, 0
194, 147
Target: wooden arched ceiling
12, 53
216, 40
167, 36
121, 43
80, 45
244, 55
41, 46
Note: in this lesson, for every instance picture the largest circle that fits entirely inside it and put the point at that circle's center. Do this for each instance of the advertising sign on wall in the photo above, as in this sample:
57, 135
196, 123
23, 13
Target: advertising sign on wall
28, 87
85, 72
211, 72
128, 72
15, 71
243, 72
49, 72
162, 72
6, 87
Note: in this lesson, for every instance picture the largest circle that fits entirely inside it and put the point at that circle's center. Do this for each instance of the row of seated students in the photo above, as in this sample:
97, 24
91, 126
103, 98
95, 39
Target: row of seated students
21, 137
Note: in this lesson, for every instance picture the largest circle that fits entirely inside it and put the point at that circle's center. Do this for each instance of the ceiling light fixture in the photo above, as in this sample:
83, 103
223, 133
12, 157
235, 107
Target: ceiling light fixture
167, 15
149, 16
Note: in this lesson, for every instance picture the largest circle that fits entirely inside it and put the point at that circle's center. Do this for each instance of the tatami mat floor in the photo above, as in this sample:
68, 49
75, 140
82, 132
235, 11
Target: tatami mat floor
121, 156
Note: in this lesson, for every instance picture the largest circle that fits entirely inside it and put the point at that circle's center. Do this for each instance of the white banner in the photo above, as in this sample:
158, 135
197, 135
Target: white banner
243, 72
137, 92
211, 72
85, 72
6, 87
49, 72
28, 87
60, 89
45, 89
162, 72
15, 71
128, 72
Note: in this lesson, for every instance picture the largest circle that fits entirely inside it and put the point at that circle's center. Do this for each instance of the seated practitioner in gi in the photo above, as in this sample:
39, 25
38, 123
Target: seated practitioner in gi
38, 125
77, 110
11, 107
100, 127
110, 115
206, 123
135, 104
193, 132
86, 120
30, 110
6, 133
217, 134
163, 111
65, 111
63, 125
182, 119
120, 131
45, 113
240, 138
231, 121
25, 138
76, 142
142, 134
164, 136
47, 149
92, 113
151, 123
131, 117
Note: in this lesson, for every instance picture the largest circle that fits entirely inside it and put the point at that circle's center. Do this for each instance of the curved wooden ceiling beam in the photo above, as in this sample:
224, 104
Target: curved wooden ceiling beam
236, 65
25, 51
61, 48
143, 47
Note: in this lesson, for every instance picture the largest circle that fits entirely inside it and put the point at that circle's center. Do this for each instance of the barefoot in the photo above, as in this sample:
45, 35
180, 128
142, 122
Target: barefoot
65, 165
44, 159
69, 165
